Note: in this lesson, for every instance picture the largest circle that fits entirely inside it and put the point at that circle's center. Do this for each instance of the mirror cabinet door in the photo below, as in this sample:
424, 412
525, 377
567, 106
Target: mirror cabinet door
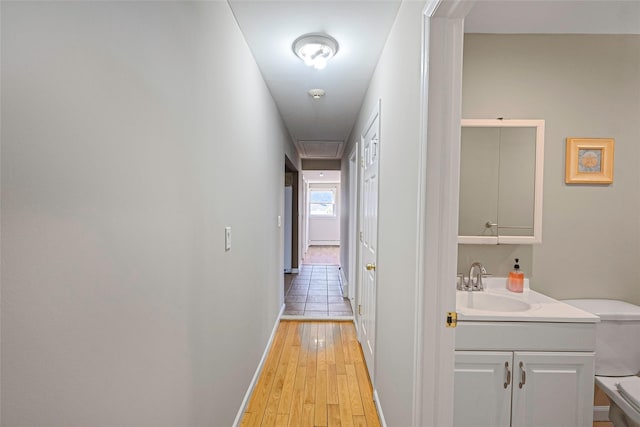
479, 180
501, 181
517, 180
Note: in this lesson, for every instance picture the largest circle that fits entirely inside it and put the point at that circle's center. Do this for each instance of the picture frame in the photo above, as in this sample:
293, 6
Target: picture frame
589, 161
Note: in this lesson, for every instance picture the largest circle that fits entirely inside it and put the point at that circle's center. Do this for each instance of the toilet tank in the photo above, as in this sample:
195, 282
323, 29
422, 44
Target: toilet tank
617, 335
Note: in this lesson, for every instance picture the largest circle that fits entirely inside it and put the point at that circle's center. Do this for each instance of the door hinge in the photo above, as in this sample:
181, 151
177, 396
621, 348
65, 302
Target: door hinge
452, 319
361, 236
361, 163
360, 309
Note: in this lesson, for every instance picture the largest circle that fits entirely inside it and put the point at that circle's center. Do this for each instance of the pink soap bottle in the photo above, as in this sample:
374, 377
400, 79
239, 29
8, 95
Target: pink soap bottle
515, 282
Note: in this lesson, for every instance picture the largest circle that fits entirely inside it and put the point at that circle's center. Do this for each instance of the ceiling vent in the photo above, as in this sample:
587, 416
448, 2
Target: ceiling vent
320, 149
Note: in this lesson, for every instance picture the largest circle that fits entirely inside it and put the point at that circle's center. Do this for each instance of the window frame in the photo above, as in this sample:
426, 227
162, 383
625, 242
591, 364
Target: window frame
334, 192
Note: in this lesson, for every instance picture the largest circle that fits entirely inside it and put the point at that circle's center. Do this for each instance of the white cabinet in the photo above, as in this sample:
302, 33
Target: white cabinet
482, 389
521, 388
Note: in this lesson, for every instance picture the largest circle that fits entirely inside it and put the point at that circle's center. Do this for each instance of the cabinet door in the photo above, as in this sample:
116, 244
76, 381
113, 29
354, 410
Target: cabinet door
552, 389
482, 389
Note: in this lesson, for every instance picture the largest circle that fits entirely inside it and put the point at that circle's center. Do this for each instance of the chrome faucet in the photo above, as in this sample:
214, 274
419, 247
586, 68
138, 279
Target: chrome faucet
470, 284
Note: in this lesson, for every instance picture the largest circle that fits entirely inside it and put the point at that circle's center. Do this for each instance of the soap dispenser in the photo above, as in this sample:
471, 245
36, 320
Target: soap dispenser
515, 282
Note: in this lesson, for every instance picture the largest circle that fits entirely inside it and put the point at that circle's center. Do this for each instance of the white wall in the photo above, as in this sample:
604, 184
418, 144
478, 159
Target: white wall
127, 128
325, 230
582, 86
396, 82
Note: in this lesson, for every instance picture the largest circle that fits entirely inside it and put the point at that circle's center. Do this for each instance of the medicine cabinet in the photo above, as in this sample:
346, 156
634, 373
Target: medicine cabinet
501, 179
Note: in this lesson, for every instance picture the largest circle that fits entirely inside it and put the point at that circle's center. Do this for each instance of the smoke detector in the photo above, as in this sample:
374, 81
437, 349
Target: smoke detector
316, 93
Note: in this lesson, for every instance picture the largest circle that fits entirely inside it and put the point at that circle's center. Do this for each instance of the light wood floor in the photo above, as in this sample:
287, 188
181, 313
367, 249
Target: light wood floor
329, 255
315, 376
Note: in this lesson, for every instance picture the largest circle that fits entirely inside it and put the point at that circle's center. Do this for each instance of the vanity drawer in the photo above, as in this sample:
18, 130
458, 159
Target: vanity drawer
525, 336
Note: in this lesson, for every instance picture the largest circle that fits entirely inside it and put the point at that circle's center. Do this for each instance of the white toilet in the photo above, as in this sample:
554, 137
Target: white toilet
617, 356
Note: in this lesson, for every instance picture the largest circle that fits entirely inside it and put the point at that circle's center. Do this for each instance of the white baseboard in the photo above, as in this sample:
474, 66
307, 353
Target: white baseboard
601, 413
345, 286
376, 399
294, 271
324, 243
317, 318
254, 380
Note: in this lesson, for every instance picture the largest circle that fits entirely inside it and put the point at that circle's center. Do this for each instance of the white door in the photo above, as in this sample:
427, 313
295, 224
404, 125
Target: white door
369, 239
557, 389
482, 388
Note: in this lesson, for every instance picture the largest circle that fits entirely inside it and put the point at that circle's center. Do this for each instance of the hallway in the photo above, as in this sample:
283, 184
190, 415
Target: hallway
314, 375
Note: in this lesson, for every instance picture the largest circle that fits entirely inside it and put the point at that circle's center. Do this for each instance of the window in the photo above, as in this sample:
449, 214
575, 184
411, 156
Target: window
322, 202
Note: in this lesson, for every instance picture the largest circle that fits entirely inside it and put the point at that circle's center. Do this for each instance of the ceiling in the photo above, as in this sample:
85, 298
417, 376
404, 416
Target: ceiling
320, 128
321, 176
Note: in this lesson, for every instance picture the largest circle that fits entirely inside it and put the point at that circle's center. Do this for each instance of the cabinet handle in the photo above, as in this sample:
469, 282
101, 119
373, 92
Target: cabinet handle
508, 371
523, 375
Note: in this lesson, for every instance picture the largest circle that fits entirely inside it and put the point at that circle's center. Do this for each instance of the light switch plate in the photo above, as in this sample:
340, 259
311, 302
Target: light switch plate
227, 238
279, 221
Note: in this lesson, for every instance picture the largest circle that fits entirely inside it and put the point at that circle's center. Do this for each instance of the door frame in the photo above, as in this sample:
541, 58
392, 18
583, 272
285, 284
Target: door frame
353, 225
439, 165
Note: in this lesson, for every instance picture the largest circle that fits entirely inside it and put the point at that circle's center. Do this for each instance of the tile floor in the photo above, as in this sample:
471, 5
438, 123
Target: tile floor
314, 292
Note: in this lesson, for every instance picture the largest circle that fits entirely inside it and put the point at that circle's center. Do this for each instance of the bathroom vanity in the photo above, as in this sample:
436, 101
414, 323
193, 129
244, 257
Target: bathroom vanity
522, 360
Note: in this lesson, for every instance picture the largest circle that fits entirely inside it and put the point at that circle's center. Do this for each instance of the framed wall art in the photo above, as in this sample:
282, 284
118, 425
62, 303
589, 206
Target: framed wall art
589, 161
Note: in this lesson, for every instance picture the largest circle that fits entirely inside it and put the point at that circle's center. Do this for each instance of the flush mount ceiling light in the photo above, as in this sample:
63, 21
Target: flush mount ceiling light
315, 49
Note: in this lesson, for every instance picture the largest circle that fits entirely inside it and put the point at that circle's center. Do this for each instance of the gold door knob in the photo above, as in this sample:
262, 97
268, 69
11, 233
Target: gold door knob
371, 267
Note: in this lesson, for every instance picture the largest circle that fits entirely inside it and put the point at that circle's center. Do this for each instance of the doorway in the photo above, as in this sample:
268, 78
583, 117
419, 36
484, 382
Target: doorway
290, 218
322, 217
317, 291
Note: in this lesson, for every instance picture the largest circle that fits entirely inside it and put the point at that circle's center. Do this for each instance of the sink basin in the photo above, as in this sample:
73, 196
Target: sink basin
489, 302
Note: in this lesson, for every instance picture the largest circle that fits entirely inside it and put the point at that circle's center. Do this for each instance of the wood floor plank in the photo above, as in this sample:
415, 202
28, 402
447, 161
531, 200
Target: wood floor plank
282, 420
297, 400
284, 406
346, 416
304, 344
320, 411
307, 415
278, 382
345, 336
332, 385
330, 344
292, 333
297, 337
312, 360
354, 391
333, 416
264, 384
301, 384
339, 353
355, 350
359, 421
248, 420
370, 411
268, 420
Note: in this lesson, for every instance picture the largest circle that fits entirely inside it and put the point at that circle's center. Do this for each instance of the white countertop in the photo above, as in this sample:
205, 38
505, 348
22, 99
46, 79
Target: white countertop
543, 308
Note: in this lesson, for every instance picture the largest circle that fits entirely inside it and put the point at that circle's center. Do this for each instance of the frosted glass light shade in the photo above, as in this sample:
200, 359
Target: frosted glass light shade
315, 50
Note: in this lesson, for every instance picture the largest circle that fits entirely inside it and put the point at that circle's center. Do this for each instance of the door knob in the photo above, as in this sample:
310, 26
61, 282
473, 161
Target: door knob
371, 267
